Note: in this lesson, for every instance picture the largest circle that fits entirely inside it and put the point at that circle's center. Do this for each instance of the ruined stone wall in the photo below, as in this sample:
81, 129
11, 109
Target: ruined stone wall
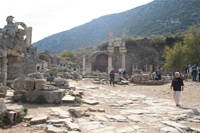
17, 56
139, 53
52, 60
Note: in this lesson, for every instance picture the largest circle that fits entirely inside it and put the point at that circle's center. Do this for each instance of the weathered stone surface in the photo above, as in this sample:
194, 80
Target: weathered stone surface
116, 118
101, 110
15, 107
96, 82
40, 84
3, 108
19, 83
169, 130
39, 120
29, 84
91, 102
75, 113
136, 111
100, 117
36, 75
135, 118
126, 129
90, 126
124, 82
53, 129
62, 113
28, 117
59, 121
4, 89
72, 126
196, 130
68, 98
174, 124
50, 96
92, 109
60, 81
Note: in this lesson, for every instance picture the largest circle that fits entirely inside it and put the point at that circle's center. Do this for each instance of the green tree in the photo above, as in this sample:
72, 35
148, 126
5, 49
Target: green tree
68, 55
192, 42
175, 57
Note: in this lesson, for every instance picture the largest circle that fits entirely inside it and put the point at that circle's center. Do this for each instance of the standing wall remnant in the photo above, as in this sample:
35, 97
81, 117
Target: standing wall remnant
17, 56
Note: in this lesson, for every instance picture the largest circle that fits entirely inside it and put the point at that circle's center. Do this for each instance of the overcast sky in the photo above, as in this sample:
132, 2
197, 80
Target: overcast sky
48, 17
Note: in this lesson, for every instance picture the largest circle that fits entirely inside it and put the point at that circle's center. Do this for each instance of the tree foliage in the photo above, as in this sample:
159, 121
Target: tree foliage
68, 55
192, 42
182, 54
174, 56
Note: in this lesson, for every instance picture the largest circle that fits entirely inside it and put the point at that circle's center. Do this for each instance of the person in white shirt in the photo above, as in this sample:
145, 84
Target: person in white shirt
120, 71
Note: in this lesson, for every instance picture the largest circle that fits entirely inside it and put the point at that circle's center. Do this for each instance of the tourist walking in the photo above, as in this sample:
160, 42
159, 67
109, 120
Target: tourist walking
112, 77
159, 73
194, 72
178, 86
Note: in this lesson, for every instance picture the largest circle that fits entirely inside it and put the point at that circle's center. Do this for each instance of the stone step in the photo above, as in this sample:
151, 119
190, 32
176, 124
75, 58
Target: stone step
68, 98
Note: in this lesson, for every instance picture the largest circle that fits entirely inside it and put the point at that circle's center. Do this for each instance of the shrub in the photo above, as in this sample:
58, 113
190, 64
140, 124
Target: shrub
25, 110
77, 99
63, 69
40, 100
23, 99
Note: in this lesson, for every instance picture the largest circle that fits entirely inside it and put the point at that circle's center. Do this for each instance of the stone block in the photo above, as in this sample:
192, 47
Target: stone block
16, 108
50, 96
19, 83
68, 98
39, 120
12, 115
29, 84
4, 89
60, 81
40, 84
3, 108
36, 75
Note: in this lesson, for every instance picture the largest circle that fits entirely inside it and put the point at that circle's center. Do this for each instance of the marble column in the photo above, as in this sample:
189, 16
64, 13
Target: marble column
109, 63
83, 64
123, 61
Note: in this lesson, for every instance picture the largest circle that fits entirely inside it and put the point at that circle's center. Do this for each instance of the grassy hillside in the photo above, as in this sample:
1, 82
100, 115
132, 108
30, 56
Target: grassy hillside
156, 18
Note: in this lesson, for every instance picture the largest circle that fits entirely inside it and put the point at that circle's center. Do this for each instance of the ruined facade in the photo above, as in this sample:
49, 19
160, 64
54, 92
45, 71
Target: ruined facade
117, 53
17, 56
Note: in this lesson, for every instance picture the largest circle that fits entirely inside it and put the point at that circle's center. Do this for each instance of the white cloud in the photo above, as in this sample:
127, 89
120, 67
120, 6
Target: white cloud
48, 17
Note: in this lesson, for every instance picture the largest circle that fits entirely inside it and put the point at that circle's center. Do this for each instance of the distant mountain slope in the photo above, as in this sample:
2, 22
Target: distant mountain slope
155, 18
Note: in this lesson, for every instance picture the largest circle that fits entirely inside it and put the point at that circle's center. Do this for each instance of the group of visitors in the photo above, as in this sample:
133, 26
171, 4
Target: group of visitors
38, 68
122, 72
193, 71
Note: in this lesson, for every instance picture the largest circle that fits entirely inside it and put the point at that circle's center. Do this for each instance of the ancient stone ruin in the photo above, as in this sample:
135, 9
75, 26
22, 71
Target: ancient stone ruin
17, 56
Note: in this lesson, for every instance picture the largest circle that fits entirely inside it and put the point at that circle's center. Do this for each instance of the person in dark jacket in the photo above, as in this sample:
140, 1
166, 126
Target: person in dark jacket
178, 86
112, 77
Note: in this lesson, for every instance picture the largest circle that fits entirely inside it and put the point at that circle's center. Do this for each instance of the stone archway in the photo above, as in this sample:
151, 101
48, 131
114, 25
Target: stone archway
101, 62
28, 32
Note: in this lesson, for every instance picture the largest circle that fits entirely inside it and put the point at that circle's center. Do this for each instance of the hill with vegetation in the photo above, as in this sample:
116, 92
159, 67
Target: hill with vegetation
160, 17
